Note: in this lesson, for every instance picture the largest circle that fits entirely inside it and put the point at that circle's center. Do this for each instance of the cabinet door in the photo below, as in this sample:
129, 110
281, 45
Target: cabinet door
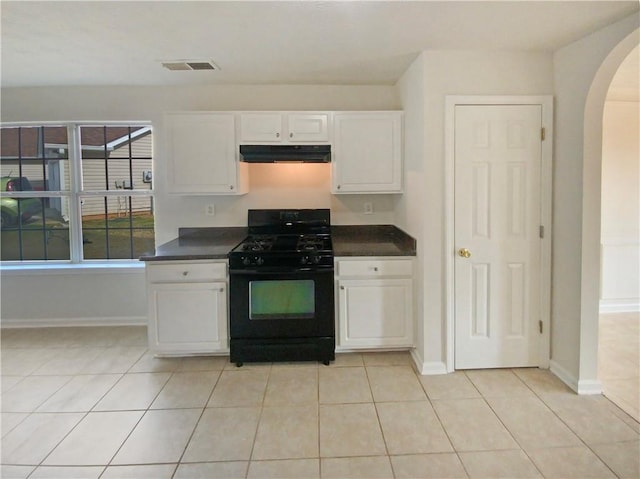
307, 127
375, 313
367, 155
201, 153
261, 127
188, 318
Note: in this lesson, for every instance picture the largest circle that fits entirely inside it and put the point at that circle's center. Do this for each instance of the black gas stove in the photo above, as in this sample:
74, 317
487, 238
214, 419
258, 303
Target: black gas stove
281, 288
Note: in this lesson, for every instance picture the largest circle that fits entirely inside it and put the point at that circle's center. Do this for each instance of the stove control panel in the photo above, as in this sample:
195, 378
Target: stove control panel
252, 260
239, 261
310, 260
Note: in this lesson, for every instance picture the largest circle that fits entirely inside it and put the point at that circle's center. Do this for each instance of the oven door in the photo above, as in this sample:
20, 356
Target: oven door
281, 304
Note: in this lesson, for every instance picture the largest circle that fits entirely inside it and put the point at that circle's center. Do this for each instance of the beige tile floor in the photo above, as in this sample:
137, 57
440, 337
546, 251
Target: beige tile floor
92, 403
619, 360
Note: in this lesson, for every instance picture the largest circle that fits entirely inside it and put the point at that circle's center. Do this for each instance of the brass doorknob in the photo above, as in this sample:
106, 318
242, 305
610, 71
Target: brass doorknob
464, 252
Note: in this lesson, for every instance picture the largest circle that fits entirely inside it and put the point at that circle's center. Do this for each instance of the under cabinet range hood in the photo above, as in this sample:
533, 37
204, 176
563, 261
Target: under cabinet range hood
285, 153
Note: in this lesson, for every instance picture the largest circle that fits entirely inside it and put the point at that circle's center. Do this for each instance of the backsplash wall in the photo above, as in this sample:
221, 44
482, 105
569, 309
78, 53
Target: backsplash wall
283, 186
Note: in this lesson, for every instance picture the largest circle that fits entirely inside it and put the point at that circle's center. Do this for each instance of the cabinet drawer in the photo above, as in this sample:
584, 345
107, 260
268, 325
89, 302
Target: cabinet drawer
187, 272
375, 268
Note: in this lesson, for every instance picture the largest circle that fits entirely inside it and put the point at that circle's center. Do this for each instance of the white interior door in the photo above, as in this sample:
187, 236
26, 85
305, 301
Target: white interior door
497, 235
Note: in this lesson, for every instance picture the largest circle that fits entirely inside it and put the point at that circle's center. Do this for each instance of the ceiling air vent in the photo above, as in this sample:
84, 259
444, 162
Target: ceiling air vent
189, 65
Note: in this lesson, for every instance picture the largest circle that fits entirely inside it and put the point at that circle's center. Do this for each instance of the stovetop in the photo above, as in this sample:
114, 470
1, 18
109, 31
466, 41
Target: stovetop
285, 238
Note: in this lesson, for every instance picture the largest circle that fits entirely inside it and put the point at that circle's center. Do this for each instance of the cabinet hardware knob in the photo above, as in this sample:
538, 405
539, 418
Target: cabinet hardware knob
230, 187
277, 135
184, 273
464, 252
338, 186
290, 135
341, 287
375, 268
222, 290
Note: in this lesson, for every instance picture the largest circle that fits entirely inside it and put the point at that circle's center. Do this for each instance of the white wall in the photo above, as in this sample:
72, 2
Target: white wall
410, 206
422, 208
45, 298
582, 74
81, 295
620, 273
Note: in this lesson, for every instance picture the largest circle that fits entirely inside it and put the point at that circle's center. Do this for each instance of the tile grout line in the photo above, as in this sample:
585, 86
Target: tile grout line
580, 438
575, 433
204, 408
137, 422
255, 434
375, 408
505, 426
435, 411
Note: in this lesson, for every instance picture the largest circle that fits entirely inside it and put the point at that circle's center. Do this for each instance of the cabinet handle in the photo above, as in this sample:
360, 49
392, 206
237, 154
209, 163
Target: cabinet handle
222, 290
277, 135
290, 135
184, 273
375, 268
341, 287
338, 186
230, 187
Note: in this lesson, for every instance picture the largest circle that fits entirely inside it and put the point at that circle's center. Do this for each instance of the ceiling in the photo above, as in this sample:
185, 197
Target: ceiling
265, 42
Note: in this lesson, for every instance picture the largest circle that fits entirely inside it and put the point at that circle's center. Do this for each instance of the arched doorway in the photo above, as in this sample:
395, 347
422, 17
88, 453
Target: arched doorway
618, 349
591, 193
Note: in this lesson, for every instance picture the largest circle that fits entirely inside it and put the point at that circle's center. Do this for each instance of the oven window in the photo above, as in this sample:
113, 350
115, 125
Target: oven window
282, 299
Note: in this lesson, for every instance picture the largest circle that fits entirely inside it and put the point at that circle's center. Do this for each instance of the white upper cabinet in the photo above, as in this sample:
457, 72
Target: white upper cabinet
282, 127
308, 127
367, 152
202, 154
261, 127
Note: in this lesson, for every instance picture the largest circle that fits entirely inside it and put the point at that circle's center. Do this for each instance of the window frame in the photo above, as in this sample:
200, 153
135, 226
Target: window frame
75, 193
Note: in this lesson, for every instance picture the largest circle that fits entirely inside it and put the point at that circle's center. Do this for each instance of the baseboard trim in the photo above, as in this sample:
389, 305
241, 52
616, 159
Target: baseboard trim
426, 368
582, 387
631, 305
67, 322
590, 387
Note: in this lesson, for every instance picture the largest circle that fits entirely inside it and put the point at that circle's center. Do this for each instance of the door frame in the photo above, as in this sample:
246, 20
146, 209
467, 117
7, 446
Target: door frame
546, 102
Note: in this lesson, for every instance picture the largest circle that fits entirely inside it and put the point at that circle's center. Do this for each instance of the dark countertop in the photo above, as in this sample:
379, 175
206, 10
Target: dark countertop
371, 240
199, 243
348, 240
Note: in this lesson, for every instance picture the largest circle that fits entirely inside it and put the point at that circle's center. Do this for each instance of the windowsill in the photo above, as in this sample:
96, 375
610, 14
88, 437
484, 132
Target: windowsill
122, 267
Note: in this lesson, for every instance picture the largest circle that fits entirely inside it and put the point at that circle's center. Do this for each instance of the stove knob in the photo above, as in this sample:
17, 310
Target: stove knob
259, 260
304, 260
246, 261
316, 259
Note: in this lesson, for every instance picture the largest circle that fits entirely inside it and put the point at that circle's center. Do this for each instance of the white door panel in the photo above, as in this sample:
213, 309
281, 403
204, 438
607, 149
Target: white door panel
497, 215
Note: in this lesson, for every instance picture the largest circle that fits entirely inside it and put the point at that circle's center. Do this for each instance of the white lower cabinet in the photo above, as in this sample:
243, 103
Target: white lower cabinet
187, 307
374, 303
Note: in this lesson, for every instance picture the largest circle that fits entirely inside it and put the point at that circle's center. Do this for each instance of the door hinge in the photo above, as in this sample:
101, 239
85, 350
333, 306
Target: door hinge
540, 326
541, 231
543, 134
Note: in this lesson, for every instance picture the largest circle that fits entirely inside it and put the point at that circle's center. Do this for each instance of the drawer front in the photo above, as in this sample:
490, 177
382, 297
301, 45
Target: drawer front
188, 272
375, 268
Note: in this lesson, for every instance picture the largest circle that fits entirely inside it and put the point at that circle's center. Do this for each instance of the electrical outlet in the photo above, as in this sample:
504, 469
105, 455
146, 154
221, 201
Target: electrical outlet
210, 210
368, 208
